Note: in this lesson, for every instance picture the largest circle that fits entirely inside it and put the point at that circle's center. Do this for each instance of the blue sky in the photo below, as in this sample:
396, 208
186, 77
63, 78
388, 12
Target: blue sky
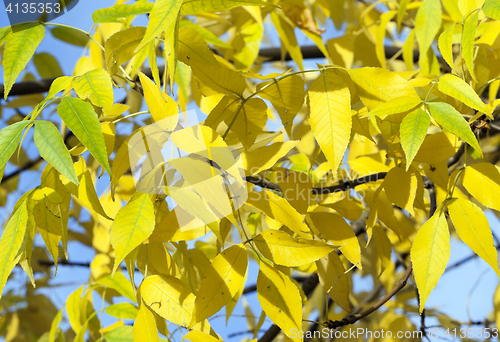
458, 294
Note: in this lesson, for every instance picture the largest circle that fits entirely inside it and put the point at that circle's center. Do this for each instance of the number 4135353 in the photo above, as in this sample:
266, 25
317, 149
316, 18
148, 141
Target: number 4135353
33, 8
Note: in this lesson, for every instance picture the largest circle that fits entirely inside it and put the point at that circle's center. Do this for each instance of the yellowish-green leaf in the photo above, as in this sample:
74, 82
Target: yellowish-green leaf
54, 326
427, 24
122, 311
119, 283
121, 45
162, 18
171, 299
445, 43
450, 119
287, 96
19, 49
280, 299
330, 115
200, 6
280, 210
483, 182
122, 333
334, 281
473, 228
207, 35
383, 245
412, 132
468, 37
408, 50
334, 228
221, 282
113, 13
11, 242
10, 137
133, 224
395, 106
73, 309
430, 252
492, 9
50, 228
59, 84
47, 65
282, 249
96, 86
376, 86
70, 35
380, 36
287, 36
159, 104
51, 146
80, 117
457, 88
145, 326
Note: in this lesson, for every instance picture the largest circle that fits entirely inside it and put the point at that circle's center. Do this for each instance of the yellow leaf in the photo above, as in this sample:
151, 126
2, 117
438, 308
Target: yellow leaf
483, 182
437, 147
280, 299
50, 228
287, 96
171, 299
496, 303
133, 224
380, 36
457, 88
280, 210
376, 86
383, 245
473, 228
282, 249
95, 85
198, 336
159, 104
330, 115
401, 188
334, 281
408, 50
120, 47
263, 158
119, 283
221, 282
334, 228
145, 326
287, 36
11, 244
427, 24
395, 106
430, 252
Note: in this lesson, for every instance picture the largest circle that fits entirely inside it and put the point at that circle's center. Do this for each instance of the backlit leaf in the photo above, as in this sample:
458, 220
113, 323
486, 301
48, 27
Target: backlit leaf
51, 147
10, 137
468, 37
120, 47
133, 224
457, 88
113, 13
19, 49
412, 131
282, 249
145, 326
80, 117
200, 6
221, 282
450, 119
430, 252
334, 281
280, 300
401, 188
445, 43
473, 228
159, 104
477, 178
96, 86
330, 115
427, 24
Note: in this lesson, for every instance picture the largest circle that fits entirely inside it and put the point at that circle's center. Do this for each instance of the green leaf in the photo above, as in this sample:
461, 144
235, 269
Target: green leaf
492, 9
162, 18
95, 85
450, 119
113, 13
457, 88
468, 37
209, 36
81, 119
200, 6
47, 65
124, 333
12, 242
133, 224
19, 49
412, 131
52, 149
10, 137
70, 36
427, 24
